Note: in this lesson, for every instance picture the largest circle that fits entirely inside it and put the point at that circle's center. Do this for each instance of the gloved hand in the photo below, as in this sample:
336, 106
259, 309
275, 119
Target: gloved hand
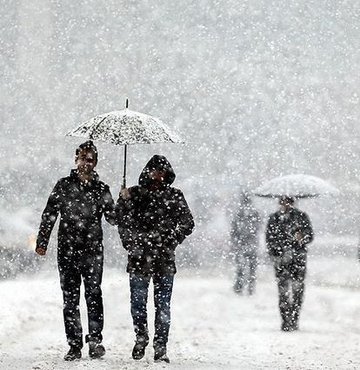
170, 239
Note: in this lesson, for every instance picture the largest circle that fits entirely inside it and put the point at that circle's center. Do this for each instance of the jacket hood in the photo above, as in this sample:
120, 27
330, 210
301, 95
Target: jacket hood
157, 162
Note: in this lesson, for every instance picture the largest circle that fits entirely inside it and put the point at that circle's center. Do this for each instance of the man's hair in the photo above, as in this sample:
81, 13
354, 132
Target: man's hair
88, 145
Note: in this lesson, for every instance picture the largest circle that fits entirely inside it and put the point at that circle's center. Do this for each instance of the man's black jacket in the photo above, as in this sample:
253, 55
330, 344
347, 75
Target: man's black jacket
81, 207
153, 222
281, 229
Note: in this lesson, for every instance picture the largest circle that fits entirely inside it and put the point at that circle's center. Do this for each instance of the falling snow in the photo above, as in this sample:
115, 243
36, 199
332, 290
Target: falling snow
256, 90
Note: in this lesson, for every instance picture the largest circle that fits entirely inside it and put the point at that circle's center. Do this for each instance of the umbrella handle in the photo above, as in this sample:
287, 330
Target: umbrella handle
124, 174
125, 154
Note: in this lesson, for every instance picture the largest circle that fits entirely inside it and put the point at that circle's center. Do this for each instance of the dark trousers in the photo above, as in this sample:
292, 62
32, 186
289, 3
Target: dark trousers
72, 269
246, 265
139, 287
291, 284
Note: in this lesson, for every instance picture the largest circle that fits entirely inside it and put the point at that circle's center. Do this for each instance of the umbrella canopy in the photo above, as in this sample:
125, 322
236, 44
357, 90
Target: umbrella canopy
125, 127
296, 186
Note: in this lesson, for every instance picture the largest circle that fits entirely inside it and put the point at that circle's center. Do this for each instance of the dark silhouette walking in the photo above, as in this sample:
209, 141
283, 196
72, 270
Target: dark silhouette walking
81, 199
287, 234
244, 244
153, 219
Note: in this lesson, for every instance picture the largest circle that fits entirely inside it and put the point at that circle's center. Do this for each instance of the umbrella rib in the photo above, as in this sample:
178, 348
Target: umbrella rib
96, 127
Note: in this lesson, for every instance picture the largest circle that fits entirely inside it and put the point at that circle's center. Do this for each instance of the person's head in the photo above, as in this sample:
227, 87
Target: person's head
157, 173
286, 203
245, 198
86, 157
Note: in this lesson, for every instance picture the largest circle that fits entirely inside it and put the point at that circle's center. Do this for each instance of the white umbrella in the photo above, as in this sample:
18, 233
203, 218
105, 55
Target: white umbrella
126, 127
296, 186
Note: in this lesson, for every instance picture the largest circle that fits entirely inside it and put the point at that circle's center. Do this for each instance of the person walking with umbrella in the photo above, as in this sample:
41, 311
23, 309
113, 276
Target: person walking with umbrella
153, 219
288, 233
81, 199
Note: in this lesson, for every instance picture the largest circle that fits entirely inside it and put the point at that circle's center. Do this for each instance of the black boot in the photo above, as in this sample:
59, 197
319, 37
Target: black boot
96, 350
251, 289
160, 354
138, 351
238, 288
295, 317
286, 326
73, 354
286, 322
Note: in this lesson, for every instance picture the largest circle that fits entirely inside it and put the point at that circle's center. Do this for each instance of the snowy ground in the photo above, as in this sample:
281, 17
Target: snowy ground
212, 328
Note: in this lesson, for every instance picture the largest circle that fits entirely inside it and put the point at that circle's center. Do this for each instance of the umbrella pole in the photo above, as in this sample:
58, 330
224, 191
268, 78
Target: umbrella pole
124, 175
125, 153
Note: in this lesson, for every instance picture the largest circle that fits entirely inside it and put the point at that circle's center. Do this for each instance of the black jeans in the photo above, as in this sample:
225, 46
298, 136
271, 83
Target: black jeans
72, 269
290, 277
139, 287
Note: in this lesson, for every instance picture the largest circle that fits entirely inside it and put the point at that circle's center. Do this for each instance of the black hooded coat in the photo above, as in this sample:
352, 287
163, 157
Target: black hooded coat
153, 221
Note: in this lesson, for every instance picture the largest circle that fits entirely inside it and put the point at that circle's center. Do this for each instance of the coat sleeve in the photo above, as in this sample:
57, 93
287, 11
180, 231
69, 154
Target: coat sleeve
49, 217
124, 220
272, 237
306, 229
109, 207
185, 222
234, 237
258, 221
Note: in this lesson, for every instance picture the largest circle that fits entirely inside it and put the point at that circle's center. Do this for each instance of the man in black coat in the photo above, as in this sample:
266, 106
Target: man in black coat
287, 234
153, 220
81, 199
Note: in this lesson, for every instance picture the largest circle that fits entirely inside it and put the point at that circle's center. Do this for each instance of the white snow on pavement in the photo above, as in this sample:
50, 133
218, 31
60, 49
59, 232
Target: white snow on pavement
212, 328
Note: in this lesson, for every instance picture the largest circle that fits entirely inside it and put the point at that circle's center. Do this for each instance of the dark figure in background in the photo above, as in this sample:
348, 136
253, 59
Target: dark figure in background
81, 199
153, 220
288, 232
244, 244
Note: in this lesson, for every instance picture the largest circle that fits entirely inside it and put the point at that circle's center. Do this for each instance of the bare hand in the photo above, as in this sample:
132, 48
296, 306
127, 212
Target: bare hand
40, 251
298, 236
124, 193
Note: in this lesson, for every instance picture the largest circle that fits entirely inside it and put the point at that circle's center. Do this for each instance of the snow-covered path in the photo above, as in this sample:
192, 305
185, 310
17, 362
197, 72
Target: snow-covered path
211, 327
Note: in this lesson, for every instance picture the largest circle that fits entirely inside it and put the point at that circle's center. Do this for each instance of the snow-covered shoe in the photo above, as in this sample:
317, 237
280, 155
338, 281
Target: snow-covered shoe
238, 289
160, 355
96, 350
138, 351
286, 326
295, 325
73, 354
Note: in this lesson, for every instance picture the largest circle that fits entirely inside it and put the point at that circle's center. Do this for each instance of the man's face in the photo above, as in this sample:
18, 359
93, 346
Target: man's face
285, 205
157, 176
86, 161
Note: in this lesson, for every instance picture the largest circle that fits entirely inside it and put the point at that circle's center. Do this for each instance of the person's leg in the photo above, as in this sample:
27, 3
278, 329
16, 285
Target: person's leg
285, 306
298, 289
139, 286
92, 271
239, 275
253, 262
163, 285
70, 281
